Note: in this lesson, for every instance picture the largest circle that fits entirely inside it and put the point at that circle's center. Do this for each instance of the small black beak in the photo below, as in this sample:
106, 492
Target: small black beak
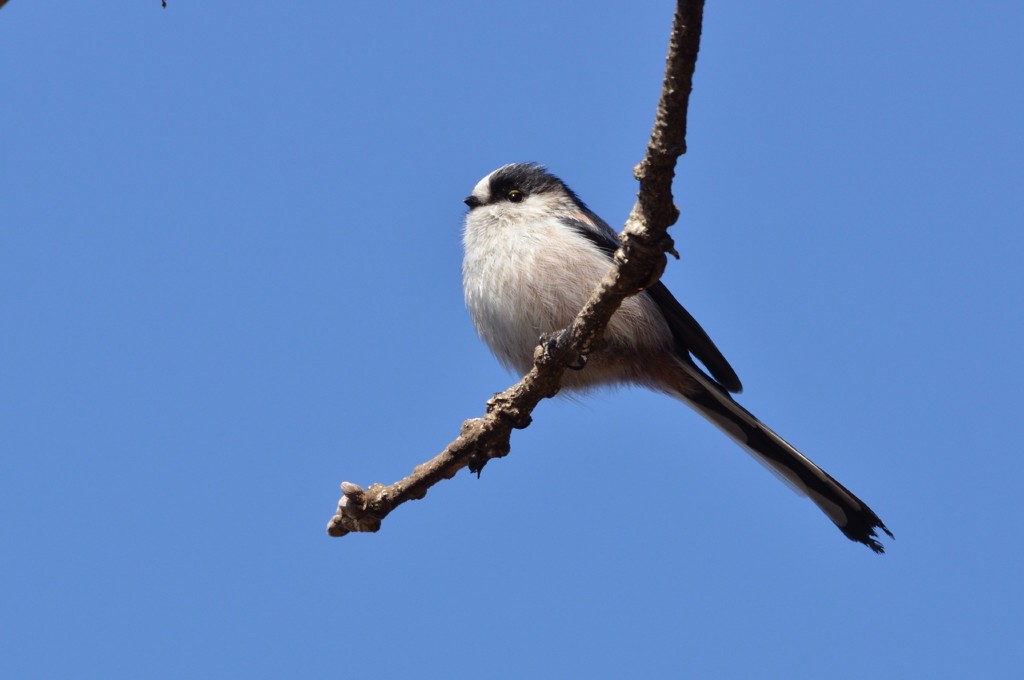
472, 202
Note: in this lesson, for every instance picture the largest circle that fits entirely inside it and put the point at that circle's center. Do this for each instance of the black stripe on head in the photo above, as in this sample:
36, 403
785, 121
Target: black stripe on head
528, 178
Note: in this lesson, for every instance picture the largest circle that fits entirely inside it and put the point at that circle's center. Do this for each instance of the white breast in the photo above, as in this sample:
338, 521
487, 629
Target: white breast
525, 274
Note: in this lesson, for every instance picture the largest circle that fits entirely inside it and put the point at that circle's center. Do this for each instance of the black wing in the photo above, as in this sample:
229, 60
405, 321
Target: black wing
690, 338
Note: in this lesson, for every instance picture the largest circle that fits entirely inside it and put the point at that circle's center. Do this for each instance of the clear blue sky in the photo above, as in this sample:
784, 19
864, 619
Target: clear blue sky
230, 279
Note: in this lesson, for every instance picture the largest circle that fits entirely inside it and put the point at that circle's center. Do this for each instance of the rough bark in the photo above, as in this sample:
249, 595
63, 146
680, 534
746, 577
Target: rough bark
638, 263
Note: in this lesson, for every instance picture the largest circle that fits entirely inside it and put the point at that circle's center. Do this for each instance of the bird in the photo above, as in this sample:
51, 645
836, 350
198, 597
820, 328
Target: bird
534, 253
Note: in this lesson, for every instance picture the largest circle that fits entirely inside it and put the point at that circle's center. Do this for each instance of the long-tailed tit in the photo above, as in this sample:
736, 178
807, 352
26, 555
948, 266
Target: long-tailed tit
535, 253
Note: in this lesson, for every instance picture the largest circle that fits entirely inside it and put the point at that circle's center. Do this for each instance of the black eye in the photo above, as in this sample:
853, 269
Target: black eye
515, 195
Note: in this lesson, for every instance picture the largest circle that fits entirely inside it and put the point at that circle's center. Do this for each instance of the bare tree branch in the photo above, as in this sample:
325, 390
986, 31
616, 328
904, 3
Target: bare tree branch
639, 263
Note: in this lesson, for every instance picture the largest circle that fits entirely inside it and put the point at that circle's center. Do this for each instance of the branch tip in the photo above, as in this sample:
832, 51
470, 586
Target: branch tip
351, 490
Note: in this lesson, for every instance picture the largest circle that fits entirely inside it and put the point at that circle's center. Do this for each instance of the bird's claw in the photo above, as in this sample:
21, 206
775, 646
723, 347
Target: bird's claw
553, 340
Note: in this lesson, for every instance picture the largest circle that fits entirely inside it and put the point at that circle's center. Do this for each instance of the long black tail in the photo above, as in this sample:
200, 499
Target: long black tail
852, 515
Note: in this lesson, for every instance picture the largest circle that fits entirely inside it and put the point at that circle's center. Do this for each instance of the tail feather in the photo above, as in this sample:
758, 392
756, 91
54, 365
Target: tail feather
852, 515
